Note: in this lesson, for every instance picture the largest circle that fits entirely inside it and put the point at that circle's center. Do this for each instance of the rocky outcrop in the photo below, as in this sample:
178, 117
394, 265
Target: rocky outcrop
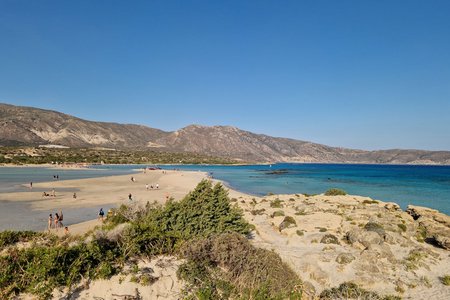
435, 225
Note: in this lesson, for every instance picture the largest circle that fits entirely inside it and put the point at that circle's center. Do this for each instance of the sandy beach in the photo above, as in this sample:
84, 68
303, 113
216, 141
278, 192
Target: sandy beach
327, 244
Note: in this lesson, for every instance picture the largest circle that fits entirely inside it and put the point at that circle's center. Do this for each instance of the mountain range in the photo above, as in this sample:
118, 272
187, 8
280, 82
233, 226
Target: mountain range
27, 126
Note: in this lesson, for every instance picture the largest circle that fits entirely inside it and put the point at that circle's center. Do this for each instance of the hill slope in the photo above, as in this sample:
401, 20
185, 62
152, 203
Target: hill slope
32, 126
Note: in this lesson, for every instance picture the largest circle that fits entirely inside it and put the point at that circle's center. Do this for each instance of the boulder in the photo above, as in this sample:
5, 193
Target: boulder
436, 225
345, 258
366, 238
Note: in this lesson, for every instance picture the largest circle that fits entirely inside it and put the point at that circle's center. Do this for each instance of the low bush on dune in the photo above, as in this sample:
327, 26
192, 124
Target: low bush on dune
204, 215
227, 265
9, 237
335, 192
349, 290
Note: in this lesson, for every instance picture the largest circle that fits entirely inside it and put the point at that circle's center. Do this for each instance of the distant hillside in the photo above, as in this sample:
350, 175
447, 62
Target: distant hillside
32, 126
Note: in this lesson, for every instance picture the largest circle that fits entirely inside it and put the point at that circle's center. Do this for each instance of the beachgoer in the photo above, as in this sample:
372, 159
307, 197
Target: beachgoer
53, 193
74, 196
130, 197
61, 218
101, 213
50, 221
31, 185
56, 220
66, 230
157, 186
57, 177
146, 186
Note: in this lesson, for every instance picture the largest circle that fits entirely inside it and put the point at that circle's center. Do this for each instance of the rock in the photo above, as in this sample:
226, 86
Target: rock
436, 225
391, 206
375, 227
345, 258
366, 238
330, 239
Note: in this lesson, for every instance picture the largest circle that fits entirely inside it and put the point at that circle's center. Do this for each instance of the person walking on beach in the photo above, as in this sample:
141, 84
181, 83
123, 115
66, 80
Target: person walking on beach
50, 221
53, 193
101, 213
74, 195
146, 186
157, 186
130, 197
31, 185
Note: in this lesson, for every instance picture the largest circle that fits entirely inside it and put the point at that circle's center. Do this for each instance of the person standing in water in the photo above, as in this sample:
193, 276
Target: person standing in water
31, 185
50, 222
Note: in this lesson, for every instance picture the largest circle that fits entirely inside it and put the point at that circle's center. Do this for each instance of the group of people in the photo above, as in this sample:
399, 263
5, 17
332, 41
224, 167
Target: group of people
147, 187
55, 222
52, 194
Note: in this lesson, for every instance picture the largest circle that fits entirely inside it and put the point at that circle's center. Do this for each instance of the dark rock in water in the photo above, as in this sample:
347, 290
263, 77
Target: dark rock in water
436, 225
278, 172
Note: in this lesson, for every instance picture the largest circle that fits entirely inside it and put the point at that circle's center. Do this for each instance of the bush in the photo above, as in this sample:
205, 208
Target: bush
335, 192
227, 264
329, 239
8, 237
349, 290
445, 279
276, 203
278, 213
402, 227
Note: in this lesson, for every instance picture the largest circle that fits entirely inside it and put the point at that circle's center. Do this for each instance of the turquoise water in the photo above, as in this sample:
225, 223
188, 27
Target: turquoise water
404, 184
419, 185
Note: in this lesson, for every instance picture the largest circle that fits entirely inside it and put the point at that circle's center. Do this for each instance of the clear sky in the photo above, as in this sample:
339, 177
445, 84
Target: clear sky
360, 74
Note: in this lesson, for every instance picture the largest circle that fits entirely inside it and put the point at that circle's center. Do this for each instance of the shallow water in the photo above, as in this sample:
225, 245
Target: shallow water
419, 185
403, 184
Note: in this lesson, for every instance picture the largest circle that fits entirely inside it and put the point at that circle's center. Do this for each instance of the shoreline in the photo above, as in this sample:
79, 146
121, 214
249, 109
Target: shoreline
351, 253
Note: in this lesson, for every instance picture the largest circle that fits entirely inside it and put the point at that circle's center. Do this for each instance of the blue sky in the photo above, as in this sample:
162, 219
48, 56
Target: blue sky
360, 74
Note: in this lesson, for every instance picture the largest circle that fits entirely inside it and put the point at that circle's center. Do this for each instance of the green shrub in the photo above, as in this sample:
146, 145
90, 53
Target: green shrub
227, 264
329, 239
370, 202
277, 203
445, 279
287, 222
349, 290
402, 227
300, 233
9, 237
335, 192
278, 213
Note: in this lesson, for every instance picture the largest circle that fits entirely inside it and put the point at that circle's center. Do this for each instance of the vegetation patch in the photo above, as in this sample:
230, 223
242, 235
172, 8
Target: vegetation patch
278, 213
402, 227
445, 279
335, 192
258, 211
287, 222
227, 266
349, 290
329, 239
414, 259
370, 201
277, 203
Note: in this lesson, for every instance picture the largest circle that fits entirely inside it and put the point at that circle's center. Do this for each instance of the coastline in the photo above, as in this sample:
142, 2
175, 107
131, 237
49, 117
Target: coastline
327, 245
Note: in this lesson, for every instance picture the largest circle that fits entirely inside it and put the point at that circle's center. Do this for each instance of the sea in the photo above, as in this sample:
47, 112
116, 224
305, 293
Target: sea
404, 184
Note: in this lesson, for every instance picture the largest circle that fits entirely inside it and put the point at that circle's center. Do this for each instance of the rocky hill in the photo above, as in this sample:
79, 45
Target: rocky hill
33, 126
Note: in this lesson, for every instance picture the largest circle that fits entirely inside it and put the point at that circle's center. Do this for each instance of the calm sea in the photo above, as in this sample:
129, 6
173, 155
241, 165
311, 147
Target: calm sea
419, 185
404, 184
